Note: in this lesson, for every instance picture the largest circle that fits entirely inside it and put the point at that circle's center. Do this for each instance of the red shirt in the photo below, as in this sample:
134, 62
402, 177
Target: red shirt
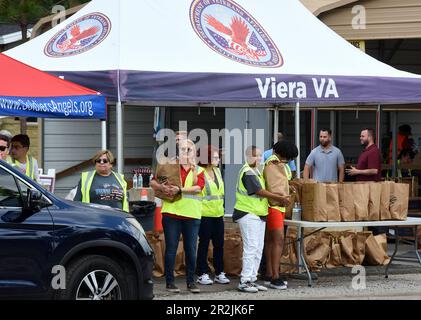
200, 182
370, 158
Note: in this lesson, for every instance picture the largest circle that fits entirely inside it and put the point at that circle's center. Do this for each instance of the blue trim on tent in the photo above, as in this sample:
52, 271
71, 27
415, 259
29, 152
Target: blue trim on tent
66, 107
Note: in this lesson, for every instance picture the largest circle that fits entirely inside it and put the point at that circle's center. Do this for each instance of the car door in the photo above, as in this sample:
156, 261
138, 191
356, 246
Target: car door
26, 240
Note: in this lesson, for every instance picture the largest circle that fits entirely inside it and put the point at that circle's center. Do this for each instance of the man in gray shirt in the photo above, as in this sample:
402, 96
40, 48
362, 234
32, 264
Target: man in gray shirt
325, 160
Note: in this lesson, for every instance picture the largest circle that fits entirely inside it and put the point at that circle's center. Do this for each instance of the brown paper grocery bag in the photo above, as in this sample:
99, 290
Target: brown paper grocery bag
157, 243
346, 201
233, 253
316, 251
385, 200
361, 199
375, 253
347, 249
168, 172
399, 198
332, 202
276, 179
314, 202
359, 246
289, 258
335, 259
374, 201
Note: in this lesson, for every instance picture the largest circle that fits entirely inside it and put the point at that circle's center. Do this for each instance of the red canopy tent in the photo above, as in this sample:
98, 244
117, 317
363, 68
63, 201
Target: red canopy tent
29, 92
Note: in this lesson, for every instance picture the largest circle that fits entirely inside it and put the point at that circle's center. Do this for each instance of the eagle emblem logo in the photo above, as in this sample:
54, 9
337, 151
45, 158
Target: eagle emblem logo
80, 36
231, 31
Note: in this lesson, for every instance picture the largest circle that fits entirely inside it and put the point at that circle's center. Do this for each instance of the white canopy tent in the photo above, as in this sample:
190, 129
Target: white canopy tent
218, 52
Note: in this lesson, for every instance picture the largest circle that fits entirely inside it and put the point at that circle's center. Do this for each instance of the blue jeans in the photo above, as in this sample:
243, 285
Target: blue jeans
172, 230
211, 229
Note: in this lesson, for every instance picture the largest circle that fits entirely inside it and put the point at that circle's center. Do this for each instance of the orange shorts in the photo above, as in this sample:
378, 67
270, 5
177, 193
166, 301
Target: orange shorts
275, 219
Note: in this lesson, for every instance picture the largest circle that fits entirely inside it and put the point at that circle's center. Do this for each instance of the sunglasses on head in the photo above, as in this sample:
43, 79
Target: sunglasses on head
3, 148
102, 161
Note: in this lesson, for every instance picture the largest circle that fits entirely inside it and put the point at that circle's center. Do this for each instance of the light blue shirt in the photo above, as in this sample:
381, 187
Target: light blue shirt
325, 163
268, 153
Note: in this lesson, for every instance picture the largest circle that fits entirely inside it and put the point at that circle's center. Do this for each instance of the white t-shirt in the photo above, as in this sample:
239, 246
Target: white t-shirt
22, 168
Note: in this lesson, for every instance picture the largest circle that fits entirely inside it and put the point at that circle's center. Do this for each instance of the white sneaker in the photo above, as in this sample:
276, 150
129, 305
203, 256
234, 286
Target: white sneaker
221, 278
259, 287
204, 279
247, 287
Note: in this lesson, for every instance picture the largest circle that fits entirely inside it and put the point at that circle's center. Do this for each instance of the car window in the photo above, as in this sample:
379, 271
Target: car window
9, 192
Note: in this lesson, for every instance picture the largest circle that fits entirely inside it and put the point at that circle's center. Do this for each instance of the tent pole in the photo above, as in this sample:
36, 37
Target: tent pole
103, 135
314, 133
378, 124
120, 157
333, 125
394, 144
275, 124
297, 137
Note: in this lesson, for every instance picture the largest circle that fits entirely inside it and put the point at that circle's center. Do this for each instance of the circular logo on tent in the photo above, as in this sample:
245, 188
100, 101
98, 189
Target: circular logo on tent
230, 30
81, 35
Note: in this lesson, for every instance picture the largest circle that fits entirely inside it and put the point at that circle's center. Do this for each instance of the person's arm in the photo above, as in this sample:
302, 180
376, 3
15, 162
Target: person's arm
283, 200
161, 187
78, 196
366, 172
341, 173
306, 173
308, 165
198, 187
341, 167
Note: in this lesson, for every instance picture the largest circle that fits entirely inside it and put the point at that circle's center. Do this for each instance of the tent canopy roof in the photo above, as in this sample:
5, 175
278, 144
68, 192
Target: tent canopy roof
241, 51
26, 91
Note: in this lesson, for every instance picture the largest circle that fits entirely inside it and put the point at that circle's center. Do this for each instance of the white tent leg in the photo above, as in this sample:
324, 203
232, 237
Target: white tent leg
103, 135
275, 124
120, 156
297, 137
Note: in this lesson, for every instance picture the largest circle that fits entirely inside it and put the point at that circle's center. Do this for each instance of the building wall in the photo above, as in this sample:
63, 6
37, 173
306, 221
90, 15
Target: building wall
386, 19
69, 142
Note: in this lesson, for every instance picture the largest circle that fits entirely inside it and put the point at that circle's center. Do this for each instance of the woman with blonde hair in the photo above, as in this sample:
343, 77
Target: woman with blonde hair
182, 216
103, 185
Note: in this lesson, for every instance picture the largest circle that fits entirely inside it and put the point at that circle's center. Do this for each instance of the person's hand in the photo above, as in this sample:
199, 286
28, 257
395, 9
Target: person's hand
174, 190
285, 201
352, 172
166, 189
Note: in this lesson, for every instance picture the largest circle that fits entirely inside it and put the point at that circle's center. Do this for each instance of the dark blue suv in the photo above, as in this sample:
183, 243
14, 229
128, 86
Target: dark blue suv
57, 249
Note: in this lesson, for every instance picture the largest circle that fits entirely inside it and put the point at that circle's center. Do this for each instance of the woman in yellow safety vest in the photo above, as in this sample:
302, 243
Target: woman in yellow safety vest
103, 185
182, 216
277, 167
212, 223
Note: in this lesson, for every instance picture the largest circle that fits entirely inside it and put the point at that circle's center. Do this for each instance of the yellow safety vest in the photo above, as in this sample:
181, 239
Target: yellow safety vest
30, 169
190, 205
86, 183
253, 204
213, 196
288, 174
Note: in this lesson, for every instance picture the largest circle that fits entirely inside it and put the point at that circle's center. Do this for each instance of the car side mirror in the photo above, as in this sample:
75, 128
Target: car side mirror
34, 201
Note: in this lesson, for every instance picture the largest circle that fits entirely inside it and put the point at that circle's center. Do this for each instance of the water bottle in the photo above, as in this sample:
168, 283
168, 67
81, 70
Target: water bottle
134, 180
296, 212
140, 180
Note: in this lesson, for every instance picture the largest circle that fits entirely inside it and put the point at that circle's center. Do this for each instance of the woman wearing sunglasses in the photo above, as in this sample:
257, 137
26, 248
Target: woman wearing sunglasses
103, 185
182, 216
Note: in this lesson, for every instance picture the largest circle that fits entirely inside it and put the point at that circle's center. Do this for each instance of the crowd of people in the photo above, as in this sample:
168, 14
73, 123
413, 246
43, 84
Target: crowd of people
261, 198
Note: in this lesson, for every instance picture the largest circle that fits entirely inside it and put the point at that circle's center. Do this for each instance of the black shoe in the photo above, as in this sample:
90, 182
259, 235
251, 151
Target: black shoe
193, 288
278, 284
267, 280
172, 288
